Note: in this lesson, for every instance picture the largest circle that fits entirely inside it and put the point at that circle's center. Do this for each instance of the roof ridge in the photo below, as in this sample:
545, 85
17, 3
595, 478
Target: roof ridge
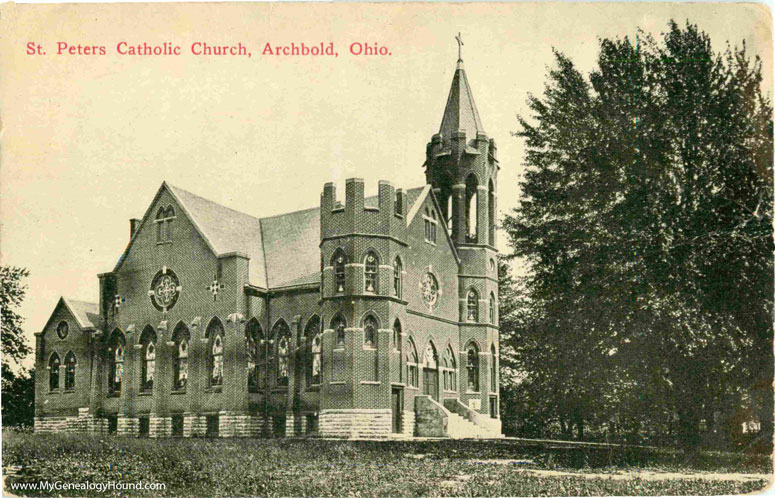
212, 201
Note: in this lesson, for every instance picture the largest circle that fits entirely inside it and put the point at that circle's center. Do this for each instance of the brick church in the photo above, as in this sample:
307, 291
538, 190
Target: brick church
360, 317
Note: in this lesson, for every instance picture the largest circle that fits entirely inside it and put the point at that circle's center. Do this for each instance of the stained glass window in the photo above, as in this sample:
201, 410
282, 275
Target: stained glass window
53, 372
370, 270
70, 365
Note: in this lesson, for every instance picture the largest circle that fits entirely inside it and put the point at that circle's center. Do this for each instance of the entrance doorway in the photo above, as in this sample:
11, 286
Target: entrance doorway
396, 404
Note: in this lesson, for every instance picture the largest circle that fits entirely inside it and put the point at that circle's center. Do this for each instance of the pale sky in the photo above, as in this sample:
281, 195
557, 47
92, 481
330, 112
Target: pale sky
87, 140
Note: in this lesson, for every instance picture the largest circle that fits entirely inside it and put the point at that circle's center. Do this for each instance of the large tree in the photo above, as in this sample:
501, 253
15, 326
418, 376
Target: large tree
646, 227
17, 384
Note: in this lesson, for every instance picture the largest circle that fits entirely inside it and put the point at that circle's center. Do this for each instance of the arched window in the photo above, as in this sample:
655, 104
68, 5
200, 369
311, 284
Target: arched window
472, 368
283, 335
370, 326
313, 346
399, 205
430, 225
53, 372
338, 324
371, 272
397, 277
413, 373
116, 351
338, 261
491, 213
148, 341
491, 309
493, 371
253, 339
450, 370
397, 335
163, 220
472, 306
181, 338
215, 334
471, 208
70, 365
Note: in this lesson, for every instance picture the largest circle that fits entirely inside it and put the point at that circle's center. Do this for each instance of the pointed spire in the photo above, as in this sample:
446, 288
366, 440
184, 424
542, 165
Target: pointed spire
460, 113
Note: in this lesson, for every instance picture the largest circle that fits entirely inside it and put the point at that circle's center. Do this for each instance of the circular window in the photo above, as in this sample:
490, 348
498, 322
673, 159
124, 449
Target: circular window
430, 289
165, 290
63, 329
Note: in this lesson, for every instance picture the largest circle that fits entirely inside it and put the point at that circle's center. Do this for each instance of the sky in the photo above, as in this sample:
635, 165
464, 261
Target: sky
87, 140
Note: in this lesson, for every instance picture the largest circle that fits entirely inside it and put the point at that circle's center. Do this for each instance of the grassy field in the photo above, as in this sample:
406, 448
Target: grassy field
313, 467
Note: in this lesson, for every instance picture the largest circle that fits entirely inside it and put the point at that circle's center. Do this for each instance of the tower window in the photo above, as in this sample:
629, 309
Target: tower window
370, 272
397, 276
491, 309
339, 261
370, 327
472, 208
472, 306
339, 324
399, 204
472, 368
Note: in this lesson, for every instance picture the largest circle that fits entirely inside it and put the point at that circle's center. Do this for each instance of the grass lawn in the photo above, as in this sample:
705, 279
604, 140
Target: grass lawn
313, 467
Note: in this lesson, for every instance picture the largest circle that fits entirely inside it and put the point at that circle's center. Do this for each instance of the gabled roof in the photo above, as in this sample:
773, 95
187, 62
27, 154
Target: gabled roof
416, 204
460, 113
85, 314
284, 250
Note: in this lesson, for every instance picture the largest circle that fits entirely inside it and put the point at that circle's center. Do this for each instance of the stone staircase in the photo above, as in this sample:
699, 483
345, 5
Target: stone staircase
453, 420
460, 428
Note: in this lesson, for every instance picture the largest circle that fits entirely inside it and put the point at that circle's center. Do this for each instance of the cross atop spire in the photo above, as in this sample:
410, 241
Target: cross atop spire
459, 39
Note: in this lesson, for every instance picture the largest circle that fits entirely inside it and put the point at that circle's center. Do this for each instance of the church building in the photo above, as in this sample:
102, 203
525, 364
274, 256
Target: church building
362, 317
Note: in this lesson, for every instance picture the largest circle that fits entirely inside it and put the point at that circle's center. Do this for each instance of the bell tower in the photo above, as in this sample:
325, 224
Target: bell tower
461, 166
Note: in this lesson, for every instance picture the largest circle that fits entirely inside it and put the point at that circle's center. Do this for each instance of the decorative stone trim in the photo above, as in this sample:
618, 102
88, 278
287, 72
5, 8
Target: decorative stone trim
355, 423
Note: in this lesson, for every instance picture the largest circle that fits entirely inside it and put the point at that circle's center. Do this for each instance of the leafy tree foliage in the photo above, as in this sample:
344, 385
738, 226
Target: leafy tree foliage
18, 386
646, 227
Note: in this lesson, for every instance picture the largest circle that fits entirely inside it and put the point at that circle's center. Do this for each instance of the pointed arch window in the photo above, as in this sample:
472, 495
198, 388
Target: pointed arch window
338, 324
370, 326
338, 261
164, 218
70, 365
491, 213
472, 208
397, 335
116, 351
148, 341
491, 308
472, 306
430, 225
283, 335
472, 368
450, 370
397, 277
371, 272
412, 370
53, 372
254, 338
312, 344
215, 334
493, 371
181, 338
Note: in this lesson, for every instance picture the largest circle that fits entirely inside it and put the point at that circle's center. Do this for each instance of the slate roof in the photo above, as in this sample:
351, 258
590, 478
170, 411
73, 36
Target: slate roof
460, 112
284, 250
85, 313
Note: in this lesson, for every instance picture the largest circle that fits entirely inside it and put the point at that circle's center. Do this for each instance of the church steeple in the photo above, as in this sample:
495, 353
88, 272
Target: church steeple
462, 166
461, 113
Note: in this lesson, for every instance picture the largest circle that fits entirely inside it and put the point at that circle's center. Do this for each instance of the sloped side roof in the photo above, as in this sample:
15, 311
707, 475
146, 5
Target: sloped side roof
84, 312
292, 248
226, 230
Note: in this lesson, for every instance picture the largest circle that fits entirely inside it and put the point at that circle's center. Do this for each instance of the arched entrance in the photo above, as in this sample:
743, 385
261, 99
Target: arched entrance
431, 371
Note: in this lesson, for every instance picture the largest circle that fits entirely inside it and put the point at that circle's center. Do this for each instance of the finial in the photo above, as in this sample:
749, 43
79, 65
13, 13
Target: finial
459, 39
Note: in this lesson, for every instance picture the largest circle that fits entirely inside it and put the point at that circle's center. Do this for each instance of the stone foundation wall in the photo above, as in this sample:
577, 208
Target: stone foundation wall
159, 427
407, 423
194, 425
128, 426
82, 423
355, 423
231, 424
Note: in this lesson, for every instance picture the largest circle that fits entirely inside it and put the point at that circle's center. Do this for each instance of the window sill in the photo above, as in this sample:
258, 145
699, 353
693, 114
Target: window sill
178, 392
413, 388
339, 349
68, 391
371, 382
55, 392
430, 242
213, 389
366, 347
337, 383
145, 393
473, 392
164, 242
